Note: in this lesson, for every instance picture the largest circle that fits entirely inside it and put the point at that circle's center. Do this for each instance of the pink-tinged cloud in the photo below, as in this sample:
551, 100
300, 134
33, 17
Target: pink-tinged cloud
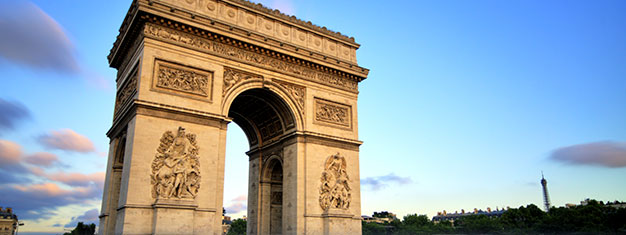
31, 37
608, 154
10, 152
68, 140
78, 179
241, 198
89, 217
236, 208
42, 159
38, 201
47, 189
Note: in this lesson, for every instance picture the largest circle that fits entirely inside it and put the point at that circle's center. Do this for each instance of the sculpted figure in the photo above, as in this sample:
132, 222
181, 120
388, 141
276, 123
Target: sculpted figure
175, 168
335, 190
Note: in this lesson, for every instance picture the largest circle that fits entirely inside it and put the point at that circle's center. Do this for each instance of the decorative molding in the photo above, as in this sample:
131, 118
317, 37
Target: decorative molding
335, 192
250, 57
298, 93
176, 167
126, 92
233, 76
333, 113
179, 78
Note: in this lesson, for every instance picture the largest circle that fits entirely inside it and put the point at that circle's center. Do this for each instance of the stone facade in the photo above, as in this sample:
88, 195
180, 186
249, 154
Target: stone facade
186, 69
8, 221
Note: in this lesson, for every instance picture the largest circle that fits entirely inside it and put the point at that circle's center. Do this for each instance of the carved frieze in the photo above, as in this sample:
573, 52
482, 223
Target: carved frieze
335, 191
333, 113
124, 94
174, 77
296, 92
176, 166
249, 57
234, 76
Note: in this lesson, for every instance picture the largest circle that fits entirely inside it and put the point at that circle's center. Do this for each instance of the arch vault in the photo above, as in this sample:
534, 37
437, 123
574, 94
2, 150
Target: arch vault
186, 69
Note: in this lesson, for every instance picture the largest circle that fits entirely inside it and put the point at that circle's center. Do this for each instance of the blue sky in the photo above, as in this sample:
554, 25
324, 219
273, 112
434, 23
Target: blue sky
466, 103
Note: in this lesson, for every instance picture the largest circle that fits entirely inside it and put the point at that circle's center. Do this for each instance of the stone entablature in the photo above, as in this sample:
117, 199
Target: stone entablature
231, 18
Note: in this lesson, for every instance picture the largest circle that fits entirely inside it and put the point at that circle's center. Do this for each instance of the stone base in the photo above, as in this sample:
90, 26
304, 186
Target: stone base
173, 216
338, 221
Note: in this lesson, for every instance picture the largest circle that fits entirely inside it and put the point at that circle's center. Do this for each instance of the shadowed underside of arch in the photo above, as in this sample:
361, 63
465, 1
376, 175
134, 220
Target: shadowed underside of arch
262, 115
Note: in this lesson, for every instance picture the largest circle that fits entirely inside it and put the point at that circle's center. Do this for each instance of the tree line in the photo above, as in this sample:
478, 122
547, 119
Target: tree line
593, 218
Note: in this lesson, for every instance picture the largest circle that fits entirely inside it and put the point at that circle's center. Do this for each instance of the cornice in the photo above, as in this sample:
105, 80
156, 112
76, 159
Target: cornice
132, 23
295, 20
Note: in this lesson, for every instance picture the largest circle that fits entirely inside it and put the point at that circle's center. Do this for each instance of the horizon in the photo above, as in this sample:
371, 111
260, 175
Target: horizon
467, 105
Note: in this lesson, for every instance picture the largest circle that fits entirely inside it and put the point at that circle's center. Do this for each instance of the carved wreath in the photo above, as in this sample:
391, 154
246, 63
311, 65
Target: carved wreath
176, 167
335, 191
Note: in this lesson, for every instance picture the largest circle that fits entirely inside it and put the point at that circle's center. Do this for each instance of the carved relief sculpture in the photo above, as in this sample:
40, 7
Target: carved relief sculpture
333, 113
179, 78
233, 76
245, 56
335, 190
176, 167
297, 92
126, 92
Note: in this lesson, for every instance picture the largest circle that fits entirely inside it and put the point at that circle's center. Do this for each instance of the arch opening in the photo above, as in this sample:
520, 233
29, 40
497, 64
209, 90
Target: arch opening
262, 115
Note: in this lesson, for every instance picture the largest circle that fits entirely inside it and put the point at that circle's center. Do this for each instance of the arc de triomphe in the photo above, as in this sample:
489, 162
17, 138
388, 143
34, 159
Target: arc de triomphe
187, 68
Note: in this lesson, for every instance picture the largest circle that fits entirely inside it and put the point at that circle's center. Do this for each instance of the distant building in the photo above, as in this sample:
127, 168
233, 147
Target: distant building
8, 221
445, 216
226, 223
379, 217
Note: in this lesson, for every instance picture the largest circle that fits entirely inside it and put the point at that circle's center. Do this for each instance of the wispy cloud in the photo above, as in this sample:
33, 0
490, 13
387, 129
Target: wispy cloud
35, 200
11, 113
606, 154
10, 153
36, 194
31, 37
237, 205
68, 140
78, 179
43, 159
236, 208
379, 182
90, 216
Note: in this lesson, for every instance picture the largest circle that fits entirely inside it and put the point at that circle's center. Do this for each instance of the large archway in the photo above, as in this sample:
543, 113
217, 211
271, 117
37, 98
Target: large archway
265, 119
186, 69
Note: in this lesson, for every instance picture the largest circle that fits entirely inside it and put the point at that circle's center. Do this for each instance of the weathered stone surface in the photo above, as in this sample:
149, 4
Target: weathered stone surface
187, 68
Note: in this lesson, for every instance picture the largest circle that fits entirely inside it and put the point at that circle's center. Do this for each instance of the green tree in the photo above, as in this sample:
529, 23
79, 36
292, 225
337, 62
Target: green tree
479, 224
237, 227
383, 214
83, 229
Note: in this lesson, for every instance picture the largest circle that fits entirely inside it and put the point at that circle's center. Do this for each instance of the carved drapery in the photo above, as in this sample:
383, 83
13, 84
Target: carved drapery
176, 167
333, 113
335, 191
234, 76
296, 92
250, 57
179, 78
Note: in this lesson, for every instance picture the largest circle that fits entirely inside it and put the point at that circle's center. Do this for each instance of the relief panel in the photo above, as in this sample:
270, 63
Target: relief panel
176, 167
333, 113
182, 80
234, 76
126, 92
335, 191
297, 92
249, 57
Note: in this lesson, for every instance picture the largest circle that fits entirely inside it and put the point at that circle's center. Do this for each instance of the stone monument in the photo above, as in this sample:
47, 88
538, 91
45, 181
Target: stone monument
186, 69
